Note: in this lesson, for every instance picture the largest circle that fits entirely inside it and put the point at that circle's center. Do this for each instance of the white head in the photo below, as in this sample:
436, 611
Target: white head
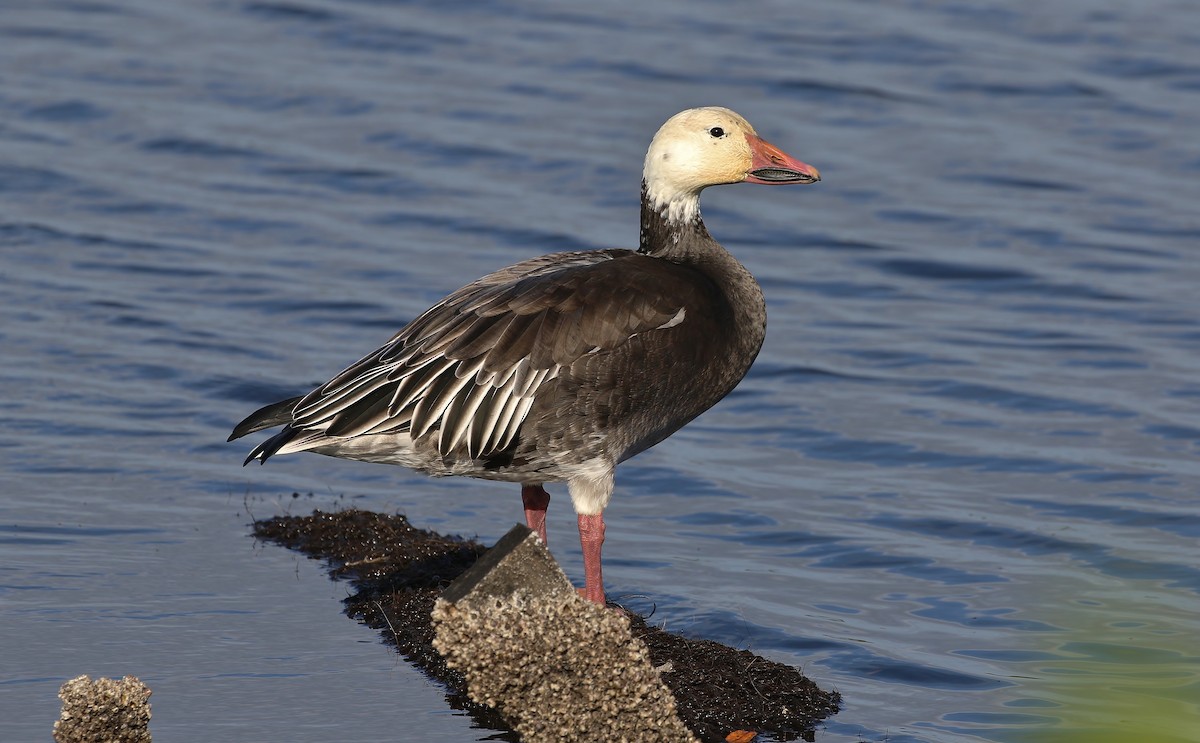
704, 147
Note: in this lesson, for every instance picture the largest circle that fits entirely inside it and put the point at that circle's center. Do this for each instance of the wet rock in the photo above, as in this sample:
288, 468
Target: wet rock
518, 563
398, 573
104, 711
557, 667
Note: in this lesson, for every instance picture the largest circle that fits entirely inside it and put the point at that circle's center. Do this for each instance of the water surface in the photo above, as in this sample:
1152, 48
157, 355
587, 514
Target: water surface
959, 485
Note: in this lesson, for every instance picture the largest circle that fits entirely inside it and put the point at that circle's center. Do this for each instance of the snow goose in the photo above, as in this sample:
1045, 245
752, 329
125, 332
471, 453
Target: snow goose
561, 367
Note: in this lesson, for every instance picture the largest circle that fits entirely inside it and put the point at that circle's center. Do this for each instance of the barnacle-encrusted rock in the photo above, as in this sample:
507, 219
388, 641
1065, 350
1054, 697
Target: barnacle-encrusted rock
558, 668
104, 711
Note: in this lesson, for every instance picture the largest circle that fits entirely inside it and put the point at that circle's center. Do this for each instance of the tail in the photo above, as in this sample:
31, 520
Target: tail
269, 416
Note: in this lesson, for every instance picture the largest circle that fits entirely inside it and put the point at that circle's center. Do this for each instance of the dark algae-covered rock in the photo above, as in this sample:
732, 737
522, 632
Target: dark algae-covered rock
399, 571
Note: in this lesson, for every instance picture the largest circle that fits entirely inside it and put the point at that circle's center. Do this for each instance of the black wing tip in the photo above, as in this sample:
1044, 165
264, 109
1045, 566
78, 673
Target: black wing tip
255, 453
271, 446
243, 428
268, 416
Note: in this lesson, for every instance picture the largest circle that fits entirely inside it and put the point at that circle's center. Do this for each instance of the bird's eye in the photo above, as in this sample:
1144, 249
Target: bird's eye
717, 131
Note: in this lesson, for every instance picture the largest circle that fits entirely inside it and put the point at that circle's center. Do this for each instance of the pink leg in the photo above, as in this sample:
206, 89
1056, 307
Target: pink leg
591, 536
536, 499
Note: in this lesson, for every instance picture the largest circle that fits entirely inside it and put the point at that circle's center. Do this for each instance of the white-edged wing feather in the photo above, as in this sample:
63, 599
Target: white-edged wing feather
471, 367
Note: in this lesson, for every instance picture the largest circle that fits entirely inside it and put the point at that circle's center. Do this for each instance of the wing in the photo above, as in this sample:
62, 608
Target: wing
472, 365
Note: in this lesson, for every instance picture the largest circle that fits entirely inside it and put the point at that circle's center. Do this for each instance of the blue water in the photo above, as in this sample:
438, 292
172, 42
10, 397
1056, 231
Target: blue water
959, 485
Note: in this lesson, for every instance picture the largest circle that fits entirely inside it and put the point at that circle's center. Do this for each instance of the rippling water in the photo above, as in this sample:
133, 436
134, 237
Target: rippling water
959, 486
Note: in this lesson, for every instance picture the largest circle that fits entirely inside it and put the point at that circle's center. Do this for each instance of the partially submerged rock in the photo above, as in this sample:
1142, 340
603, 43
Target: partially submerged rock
399, 571
104, 711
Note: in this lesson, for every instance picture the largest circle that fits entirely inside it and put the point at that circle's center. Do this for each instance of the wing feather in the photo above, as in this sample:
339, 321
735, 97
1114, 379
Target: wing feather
458, 418
441, 393
509, 433
412, 388
496, 429
471, 366
515, 343
479, 338
362, 415
330, 406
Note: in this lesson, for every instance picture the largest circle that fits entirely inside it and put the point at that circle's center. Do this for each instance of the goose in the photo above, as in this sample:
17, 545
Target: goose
560, 367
